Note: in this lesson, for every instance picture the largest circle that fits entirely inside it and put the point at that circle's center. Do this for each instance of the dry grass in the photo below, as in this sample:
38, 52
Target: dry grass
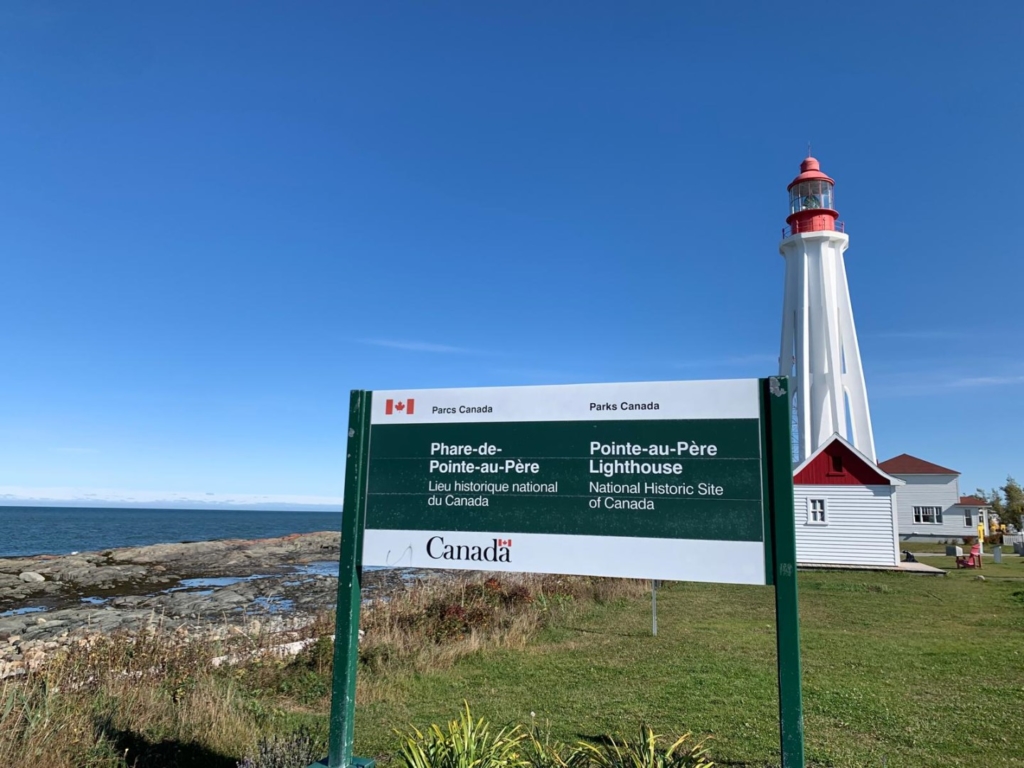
432, 626
156, 699
120, 700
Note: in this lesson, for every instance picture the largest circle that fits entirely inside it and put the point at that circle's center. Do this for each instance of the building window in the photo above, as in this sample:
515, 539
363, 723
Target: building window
837, 465
816, 512
968, 518
928, 515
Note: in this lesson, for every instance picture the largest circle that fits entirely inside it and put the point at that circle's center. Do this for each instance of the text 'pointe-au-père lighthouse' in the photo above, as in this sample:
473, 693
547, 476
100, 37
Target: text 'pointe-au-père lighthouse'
819, 340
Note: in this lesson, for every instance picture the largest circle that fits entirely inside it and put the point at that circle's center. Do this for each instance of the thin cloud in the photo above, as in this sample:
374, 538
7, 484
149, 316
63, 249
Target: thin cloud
920, 335
542, 375
732, 360
419, 346
64, 496
986, 381
908, 385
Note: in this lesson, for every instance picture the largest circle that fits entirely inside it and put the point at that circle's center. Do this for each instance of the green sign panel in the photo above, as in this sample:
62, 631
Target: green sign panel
622, 478
658, 481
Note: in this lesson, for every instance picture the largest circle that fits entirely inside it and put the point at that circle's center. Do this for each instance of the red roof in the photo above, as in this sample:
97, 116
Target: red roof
839, 463
905, 464
972, 501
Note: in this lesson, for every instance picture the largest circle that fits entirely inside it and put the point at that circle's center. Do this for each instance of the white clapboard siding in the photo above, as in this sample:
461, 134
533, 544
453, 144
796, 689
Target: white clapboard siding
859, 529
941, 491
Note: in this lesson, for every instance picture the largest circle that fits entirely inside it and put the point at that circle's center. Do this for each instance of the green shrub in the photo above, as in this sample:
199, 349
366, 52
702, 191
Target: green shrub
544, 753
319, 655
304, 685
481, 607
374, 658
643, 752
466, 743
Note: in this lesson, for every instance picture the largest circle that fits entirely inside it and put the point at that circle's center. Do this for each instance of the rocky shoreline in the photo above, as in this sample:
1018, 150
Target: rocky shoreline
50, 601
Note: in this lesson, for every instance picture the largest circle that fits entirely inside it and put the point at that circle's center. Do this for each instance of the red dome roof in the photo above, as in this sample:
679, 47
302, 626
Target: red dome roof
810, 169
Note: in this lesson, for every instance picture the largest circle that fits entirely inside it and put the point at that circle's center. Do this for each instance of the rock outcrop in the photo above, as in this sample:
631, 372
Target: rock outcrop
48, 601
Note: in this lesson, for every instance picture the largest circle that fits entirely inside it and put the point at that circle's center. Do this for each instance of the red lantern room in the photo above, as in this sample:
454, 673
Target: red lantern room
811, 200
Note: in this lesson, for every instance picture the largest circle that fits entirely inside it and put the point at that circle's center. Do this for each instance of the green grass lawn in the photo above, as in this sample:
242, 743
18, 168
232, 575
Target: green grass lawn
929, 546
899, 670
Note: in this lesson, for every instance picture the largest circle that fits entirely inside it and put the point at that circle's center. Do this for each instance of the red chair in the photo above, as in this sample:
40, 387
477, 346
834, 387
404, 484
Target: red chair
972, 560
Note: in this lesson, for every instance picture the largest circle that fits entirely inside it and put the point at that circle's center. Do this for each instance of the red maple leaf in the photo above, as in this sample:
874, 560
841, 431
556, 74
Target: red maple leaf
400, 406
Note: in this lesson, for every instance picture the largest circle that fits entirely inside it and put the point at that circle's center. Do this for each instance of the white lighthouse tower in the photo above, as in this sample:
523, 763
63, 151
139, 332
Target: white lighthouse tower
819, 340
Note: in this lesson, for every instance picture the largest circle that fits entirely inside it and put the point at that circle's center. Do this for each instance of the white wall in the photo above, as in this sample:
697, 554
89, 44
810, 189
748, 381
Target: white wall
978, 514
931, 491
859, 527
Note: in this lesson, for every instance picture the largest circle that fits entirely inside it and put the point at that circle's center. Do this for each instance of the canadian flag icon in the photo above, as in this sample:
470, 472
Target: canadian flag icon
504, 542
408, 407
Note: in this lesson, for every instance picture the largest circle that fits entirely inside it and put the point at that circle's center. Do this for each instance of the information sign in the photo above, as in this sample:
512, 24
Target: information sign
658, 481
669, 480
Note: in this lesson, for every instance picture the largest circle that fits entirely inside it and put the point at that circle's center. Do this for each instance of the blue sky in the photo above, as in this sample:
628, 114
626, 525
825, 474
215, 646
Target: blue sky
218, 218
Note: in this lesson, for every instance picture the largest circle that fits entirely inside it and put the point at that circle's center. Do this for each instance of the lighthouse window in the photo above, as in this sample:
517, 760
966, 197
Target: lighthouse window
810, 195
796, 199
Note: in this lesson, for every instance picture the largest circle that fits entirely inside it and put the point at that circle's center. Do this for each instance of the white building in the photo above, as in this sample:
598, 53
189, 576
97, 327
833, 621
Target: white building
929, 503
846, 512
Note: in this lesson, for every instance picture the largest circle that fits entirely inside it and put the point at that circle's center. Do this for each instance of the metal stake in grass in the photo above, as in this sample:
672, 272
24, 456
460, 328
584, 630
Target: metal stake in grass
654, 607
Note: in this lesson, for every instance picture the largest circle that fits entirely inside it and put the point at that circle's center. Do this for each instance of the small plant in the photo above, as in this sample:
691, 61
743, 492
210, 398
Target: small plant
466, 743
296, 750
374, 658
644, 752
447, 621
544, 753
319, 655
305, 686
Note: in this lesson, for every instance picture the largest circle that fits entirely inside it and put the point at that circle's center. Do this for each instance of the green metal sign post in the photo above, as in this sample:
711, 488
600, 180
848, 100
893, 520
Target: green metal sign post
775, 399
686, 481
350, 572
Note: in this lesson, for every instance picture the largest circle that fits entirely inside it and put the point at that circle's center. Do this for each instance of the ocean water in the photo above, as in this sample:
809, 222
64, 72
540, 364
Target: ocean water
61, 530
